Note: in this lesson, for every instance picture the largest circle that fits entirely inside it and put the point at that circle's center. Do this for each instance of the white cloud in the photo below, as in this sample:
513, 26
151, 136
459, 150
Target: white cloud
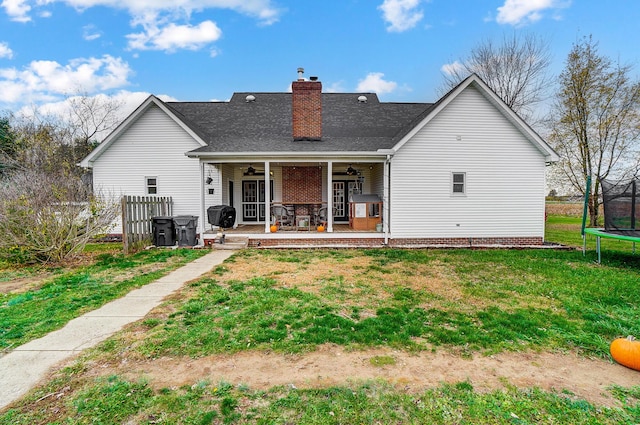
451, 68
5, 50
521, 12
45, 81
90, 32
19, 10
126, 102
164, 22
374, 82
337, 87
401, 15
173, 37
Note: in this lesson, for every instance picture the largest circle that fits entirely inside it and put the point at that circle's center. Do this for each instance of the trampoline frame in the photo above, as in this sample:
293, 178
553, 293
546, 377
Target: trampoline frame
599, 232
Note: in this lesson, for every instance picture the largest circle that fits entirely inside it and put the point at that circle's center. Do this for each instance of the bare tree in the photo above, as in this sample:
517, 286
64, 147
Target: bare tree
595, 121
56, 142
92, 117
516, 70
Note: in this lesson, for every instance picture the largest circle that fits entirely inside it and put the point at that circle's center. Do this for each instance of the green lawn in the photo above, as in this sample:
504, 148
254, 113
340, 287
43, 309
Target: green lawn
566, 230
66, 293
468, 302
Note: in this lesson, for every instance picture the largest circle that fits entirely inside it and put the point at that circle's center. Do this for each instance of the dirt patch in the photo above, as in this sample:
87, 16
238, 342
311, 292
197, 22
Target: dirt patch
20, 285
330, 365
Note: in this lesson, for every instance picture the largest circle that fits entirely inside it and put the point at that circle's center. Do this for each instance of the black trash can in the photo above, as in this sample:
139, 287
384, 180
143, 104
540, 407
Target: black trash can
222, 216
186, 227
164, 231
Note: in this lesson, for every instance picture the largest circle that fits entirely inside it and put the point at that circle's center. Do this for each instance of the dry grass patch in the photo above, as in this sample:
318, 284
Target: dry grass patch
357, 280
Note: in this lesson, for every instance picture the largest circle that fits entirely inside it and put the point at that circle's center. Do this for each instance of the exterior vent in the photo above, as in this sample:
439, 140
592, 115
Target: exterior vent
362, 99
250, 98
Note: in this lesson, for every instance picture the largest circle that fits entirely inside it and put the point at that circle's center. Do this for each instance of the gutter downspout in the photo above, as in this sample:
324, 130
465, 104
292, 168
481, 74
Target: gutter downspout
386, 198
203, 213
329, 228
267, 197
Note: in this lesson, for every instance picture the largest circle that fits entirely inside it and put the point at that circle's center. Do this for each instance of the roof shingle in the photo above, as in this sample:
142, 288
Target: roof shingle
264, 125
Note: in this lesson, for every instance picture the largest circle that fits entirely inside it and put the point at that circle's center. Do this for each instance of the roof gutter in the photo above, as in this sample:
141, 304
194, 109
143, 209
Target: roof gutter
380, 154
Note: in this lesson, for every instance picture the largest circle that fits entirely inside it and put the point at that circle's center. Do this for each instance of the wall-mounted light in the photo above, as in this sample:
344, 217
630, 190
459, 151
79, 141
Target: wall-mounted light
351, 171
209, 180
251, 171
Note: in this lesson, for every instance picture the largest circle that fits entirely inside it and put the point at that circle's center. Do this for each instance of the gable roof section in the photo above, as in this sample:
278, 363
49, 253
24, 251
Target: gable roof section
264, 125
132, 118
489, 94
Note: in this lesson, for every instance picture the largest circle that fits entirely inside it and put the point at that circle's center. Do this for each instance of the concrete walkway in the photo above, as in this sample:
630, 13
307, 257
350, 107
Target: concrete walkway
26, 365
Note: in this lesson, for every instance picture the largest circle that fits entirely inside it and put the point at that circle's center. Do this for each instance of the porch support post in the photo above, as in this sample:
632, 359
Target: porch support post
386, 198
329, 196
203, 213
267, 197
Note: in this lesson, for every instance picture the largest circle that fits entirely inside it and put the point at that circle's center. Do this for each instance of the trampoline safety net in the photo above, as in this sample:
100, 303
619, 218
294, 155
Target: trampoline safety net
621, 206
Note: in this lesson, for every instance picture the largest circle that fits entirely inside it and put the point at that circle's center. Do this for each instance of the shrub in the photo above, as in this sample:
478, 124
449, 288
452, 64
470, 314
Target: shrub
49, 217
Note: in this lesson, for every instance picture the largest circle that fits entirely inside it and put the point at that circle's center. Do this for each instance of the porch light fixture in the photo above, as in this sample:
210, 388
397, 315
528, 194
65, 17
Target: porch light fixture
251, 171
351, 171
209, 180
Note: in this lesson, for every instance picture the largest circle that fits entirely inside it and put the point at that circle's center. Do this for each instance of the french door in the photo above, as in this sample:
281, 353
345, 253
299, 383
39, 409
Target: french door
342, 191
253, 195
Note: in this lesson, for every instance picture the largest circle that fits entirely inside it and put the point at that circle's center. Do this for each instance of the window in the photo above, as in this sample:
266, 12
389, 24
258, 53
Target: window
151, 185
458, 183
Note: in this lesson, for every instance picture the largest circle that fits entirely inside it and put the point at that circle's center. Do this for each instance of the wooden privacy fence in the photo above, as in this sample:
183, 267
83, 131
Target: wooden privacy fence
137, 214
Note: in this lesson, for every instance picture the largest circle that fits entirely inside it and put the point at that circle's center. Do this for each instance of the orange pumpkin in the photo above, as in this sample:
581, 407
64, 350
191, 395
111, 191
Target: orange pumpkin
320, 228
273, 228
626, 351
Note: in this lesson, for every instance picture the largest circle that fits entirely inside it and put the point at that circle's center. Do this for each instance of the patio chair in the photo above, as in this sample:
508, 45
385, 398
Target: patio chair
282, 216
321, 216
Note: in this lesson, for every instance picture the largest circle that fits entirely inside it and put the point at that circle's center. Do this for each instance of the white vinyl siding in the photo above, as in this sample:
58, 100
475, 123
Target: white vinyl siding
154, 146
377, 180
504, 176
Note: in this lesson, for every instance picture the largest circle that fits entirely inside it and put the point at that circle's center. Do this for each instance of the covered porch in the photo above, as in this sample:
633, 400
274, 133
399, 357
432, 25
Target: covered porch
297, 198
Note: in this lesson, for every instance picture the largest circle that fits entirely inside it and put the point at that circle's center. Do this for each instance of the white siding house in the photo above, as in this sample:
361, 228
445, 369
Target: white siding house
152, 147
465, 170
502, 175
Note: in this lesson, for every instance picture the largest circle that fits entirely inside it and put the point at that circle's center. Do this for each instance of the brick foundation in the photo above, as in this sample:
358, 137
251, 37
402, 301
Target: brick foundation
319, 243
338, 242
469, 242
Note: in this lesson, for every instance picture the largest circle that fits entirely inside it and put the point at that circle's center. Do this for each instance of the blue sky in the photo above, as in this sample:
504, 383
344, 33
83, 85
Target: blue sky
207, 49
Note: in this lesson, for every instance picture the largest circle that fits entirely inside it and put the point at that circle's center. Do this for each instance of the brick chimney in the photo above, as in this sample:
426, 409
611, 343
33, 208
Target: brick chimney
306, 108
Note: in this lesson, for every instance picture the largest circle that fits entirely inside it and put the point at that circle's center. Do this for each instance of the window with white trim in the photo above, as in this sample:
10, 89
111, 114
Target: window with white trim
458, 183
151, 184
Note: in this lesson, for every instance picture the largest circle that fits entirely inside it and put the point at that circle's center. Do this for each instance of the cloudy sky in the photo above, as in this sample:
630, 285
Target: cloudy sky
207, 49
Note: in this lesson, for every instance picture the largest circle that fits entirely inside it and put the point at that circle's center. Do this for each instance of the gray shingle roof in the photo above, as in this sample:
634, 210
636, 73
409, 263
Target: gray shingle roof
265, 125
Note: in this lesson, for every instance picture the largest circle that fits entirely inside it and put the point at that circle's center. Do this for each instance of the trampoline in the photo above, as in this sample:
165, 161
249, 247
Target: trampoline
621, 201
